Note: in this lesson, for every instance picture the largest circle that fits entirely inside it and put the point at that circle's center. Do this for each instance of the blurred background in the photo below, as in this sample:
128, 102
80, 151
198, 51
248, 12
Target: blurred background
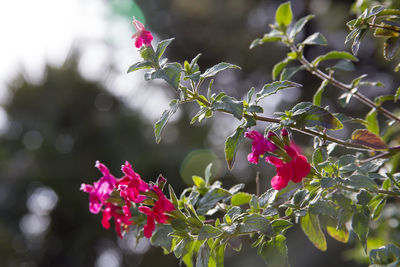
66, 101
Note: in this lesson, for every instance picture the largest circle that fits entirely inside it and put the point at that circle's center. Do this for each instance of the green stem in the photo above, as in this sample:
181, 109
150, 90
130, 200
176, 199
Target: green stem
347, 88
385, 27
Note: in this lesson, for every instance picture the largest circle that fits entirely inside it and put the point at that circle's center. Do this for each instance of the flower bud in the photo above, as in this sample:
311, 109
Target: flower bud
285, 136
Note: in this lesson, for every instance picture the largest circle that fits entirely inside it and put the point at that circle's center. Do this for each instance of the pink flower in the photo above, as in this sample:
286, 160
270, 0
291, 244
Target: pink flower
295, 170
260, 145
100, 190
142, 36
130, 186
161, 206
121, 220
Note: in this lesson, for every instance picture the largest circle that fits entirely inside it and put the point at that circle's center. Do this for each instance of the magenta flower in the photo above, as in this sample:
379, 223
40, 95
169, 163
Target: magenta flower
100, 190
294, 170
161, 206
130, 186
260, 145
121, 220
142, 36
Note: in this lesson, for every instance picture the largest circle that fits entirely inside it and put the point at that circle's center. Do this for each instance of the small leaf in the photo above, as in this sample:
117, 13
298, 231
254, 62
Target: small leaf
281, 225
299, 25
208, 231
279, 66
315, 39
360, 182
311, 227
218, 68
210, 199
207, 174
230, 105
391, 46
360, 225
273, 88
388, 256
232, 144
161, 237
339, 233
318, 94
167, 114
256, 223
372, 119
357, 40
273, 36
274, 252
198, 181
183, 247
306, 114
219, 253
334, 55
288, 73
240, 198
171, 73
368, 139
140, 65
162, 45
203, 256
344, 64
283, 15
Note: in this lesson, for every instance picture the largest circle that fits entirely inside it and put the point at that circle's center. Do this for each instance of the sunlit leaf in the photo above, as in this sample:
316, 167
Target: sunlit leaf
366, 138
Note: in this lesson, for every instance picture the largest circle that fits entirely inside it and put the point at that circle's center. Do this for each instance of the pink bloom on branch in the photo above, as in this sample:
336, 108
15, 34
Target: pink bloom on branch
130, 186
260, 145
121, 220
100, 190
294, 170
161, 206
142, 36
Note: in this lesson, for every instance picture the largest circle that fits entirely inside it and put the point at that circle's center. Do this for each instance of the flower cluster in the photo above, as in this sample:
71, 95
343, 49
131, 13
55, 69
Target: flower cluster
131, 189
293, 167
142, 36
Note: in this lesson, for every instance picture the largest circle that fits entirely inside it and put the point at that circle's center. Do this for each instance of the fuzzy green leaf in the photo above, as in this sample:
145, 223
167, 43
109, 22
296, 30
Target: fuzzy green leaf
299, 25
218, 68
334, 55
139, 66
240, 198
232, 144
311, 227
167, 114
273, 88
283, 15
274, 252
315, 39
162, 45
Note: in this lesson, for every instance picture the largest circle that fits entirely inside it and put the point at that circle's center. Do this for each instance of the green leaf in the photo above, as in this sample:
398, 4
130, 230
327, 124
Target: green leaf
240, 198
171, 73
198, 181
360, 182
372, 119
299, 25
230, 105
283, 15
281, 225
267, 197
183, 247
167, 114
232, 144
288, 73
334, 55
210, 199
161, 237
274, 252
388, 256
162, 45
368, 139
147, 53
273, 36
360, 225
305, 114
256, 223
376, 213
312, 229
207, 174
315, 39
208, 231
323, 207
273, 88
219, 253
218, 68
279, 66
344, 64
255, 109
318, 94
140, 65
340, 233
357, 40
390, 48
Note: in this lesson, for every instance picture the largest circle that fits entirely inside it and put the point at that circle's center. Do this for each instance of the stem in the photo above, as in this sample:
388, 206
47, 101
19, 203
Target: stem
258, 184
388, 28
323, 76
384, 192
314, 133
